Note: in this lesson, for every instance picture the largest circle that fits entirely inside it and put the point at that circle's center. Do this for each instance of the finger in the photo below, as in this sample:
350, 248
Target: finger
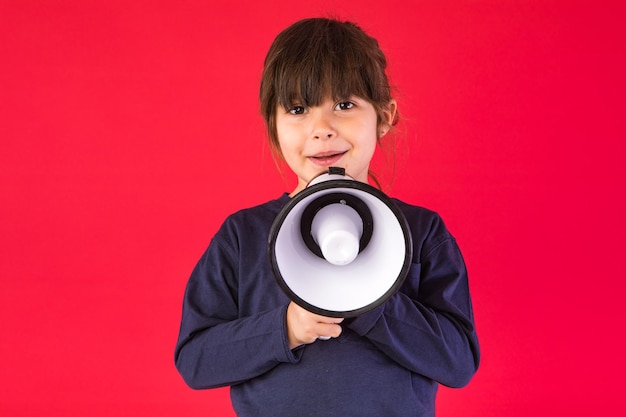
328, 330
305, 314
329, 320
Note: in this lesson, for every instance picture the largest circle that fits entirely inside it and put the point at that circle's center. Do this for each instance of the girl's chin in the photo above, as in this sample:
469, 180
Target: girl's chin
322, 171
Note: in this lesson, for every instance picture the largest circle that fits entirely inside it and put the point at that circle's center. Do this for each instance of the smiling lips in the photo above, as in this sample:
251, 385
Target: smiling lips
326, 158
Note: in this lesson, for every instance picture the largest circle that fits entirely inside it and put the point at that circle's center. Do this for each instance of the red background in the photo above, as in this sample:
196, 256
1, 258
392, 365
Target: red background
129, 130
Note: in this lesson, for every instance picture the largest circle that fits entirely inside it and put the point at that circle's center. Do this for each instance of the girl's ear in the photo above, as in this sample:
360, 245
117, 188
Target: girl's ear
389, 116
390, 112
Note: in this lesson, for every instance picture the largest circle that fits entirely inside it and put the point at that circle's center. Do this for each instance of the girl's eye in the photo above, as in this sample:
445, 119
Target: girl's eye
296, 110
344, 105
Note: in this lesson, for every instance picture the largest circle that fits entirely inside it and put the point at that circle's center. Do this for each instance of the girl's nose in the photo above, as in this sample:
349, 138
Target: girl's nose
323, 127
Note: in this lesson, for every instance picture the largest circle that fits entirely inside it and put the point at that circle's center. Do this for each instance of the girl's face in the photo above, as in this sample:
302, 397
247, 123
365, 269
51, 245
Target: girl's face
339, 133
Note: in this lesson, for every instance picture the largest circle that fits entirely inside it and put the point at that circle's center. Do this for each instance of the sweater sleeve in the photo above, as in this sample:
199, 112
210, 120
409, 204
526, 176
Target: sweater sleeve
428, 326
216, 347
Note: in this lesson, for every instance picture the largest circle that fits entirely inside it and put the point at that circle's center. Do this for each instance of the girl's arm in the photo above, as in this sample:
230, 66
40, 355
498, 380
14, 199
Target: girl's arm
428, 327
217, 347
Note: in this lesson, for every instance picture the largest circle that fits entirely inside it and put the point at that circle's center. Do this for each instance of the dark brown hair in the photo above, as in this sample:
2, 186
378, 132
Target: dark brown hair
318, 58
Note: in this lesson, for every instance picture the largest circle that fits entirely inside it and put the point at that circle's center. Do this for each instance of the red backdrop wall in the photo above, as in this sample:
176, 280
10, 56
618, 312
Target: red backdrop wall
129, 130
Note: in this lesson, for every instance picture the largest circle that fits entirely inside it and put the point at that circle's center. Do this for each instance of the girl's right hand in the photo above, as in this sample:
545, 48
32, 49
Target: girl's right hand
304, 327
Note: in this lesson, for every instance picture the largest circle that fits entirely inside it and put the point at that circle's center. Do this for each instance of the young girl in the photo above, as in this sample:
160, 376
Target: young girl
326, 101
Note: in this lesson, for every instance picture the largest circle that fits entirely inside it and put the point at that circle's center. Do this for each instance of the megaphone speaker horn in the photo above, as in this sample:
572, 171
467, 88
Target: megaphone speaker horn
340, 247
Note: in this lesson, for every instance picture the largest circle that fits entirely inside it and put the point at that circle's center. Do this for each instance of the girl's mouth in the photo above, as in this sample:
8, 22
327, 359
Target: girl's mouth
326, 158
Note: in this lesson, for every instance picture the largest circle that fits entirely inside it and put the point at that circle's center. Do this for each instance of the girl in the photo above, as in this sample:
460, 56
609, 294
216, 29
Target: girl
326, 102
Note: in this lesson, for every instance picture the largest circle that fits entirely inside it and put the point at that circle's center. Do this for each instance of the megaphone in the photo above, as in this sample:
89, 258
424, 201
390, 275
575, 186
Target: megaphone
340, 247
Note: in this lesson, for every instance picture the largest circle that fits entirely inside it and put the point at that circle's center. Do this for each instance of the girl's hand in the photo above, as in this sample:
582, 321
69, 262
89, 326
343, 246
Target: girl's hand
304, 327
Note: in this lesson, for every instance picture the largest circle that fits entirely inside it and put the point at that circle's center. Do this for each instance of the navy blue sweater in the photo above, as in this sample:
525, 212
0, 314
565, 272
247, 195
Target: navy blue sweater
386, 362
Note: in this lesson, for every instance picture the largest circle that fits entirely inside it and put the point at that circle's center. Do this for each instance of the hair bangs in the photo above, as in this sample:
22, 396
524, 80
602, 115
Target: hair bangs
322, 67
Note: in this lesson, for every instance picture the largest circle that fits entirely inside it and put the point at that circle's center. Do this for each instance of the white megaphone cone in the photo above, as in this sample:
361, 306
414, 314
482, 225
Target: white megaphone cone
340, 247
